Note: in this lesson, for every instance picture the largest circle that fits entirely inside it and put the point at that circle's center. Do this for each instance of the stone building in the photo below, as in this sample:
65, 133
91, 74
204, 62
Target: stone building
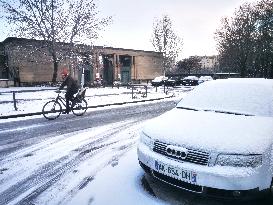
28, 62
209, 62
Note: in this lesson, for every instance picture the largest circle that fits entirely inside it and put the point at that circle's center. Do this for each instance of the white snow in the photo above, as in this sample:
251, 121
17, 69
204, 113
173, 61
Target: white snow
114, 175
118, 185
221, 132
33, 101
246, 96
112, 172
213, 131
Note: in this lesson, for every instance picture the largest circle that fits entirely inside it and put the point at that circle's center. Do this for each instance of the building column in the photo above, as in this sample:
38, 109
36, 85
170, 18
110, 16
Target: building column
133, 68
118, 68
114, 66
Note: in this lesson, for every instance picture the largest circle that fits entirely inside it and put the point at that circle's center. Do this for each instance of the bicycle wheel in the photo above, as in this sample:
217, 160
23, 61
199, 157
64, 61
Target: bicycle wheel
52, 110
79, 107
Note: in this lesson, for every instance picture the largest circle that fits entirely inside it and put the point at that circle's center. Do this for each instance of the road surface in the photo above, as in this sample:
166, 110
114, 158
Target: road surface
49, 162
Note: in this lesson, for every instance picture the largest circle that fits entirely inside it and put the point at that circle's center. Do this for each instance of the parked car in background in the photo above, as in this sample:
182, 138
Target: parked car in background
190, 81
172, 81
218, 140
158, 81
204, 79
117, 83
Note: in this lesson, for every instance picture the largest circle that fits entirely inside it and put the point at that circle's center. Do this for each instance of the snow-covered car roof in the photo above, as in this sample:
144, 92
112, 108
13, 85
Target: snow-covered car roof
159, 78
190, 78
205, 78
239, 95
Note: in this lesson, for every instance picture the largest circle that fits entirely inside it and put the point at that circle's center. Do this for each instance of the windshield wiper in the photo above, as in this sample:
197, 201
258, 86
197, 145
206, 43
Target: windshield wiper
228, 112
186, 108
217, 111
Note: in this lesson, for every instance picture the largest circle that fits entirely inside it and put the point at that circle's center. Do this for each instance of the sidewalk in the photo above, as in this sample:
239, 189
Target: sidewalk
31, 103
94, 106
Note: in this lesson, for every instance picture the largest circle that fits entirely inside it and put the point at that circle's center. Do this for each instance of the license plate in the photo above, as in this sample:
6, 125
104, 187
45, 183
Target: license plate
177, 173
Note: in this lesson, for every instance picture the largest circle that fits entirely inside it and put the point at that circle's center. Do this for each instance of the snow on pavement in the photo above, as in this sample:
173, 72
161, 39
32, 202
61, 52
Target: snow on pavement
29, 102
92, 167
101, 178
117, 185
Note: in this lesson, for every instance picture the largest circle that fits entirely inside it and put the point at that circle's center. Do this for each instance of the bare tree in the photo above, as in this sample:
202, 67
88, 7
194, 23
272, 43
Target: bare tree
165, 40
263, 59
235, 40
55, 21
188, 65
245, 40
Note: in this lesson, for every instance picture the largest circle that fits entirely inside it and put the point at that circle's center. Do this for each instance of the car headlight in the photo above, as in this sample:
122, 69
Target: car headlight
145, 139
239, 160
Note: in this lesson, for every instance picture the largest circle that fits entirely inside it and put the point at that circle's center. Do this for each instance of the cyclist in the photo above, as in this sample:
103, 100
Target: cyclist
72, 87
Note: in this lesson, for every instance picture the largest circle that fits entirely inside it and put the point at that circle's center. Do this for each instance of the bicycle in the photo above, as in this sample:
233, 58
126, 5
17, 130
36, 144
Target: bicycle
53, 108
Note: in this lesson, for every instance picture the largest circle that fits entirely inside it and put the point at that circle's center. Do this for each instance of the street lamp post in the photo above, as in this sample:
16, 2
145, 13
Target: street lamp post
82, 78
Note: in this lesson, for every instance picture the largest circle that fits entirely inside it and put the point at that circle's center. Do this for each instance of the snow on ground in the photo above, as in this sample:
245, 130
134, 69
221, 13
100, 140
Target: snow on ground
112, 177
29, 101
117, 185
114, 171
106, 179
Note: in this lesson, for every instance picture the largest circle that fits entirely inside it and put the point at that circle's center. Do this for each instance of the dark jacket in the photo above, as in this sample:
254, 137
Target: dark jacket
72, 86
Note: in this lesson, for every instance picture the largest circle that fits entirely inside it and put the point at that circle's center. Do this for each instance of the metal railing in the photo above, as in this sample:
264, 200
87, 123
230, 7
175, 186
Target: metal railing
135, 90
22, 91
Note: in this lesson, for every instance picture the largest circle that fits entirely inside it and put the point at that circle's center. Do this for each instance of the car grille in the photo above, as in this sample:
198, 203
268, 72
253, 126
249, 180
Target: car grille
193, 156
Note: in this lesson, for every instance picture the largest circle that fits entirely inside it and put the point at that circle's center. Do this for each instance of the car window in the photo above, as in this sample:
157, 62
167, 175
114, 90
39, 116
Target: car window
251, 98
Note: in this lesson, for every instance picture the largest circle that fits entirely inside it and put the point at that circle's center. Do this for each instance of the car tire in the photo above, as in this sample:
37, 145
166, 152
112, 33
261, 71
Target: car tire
271, 190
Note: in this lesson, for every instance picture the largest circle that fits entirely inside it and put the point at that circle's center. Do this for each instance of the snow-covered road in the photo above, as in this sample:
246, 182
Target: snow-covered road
57, 168
53, 162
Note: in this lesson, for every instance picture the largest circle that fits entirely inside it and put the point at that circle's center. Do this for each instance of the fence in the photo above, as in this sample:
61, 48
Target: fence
22, 91
138, 89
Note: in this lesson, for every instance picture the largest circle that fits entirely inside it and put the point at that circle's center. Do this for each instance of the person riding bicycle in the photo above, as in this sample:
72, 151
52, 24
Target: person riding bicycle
72, 87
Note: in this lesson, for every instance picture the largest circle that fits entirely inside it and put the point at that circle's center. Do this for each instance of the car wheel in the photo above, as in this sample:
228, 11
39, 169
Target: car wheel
271, 189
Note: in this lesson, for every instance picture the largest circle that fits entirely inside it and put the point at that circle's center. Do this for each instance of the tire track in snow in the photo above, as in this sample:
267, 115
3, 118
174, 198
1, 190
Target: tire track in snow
101, 149
51, 172
113, 161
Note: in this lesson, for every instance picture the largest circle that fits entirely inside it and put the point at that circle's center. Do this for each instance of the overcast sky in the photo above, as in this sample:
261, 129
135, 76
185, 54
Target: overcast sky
195, 21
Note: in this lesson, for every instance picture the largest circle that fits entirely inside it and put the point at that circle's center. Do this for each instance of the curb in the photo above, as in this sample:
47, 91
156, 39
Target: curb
94, 106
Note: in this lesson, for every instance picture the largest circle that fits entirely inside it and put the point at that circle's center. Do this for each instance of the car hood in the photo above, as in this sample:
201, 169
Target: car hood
216, 132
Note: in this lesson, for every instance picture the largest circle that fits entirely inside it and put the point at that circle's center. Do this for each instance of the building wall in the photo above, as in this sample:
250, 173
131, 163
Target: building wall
208, 62
32, 63
29, 60
146, 65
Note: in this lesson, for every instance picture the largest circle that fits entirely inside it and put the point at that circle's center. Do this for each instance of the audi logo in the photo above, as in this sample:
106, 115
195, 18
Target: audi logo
178, 152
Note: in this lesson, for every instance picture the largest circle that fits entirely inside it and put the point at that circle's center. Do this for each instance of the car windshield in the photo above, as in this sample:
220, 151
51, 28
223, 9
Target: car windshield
232, 96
